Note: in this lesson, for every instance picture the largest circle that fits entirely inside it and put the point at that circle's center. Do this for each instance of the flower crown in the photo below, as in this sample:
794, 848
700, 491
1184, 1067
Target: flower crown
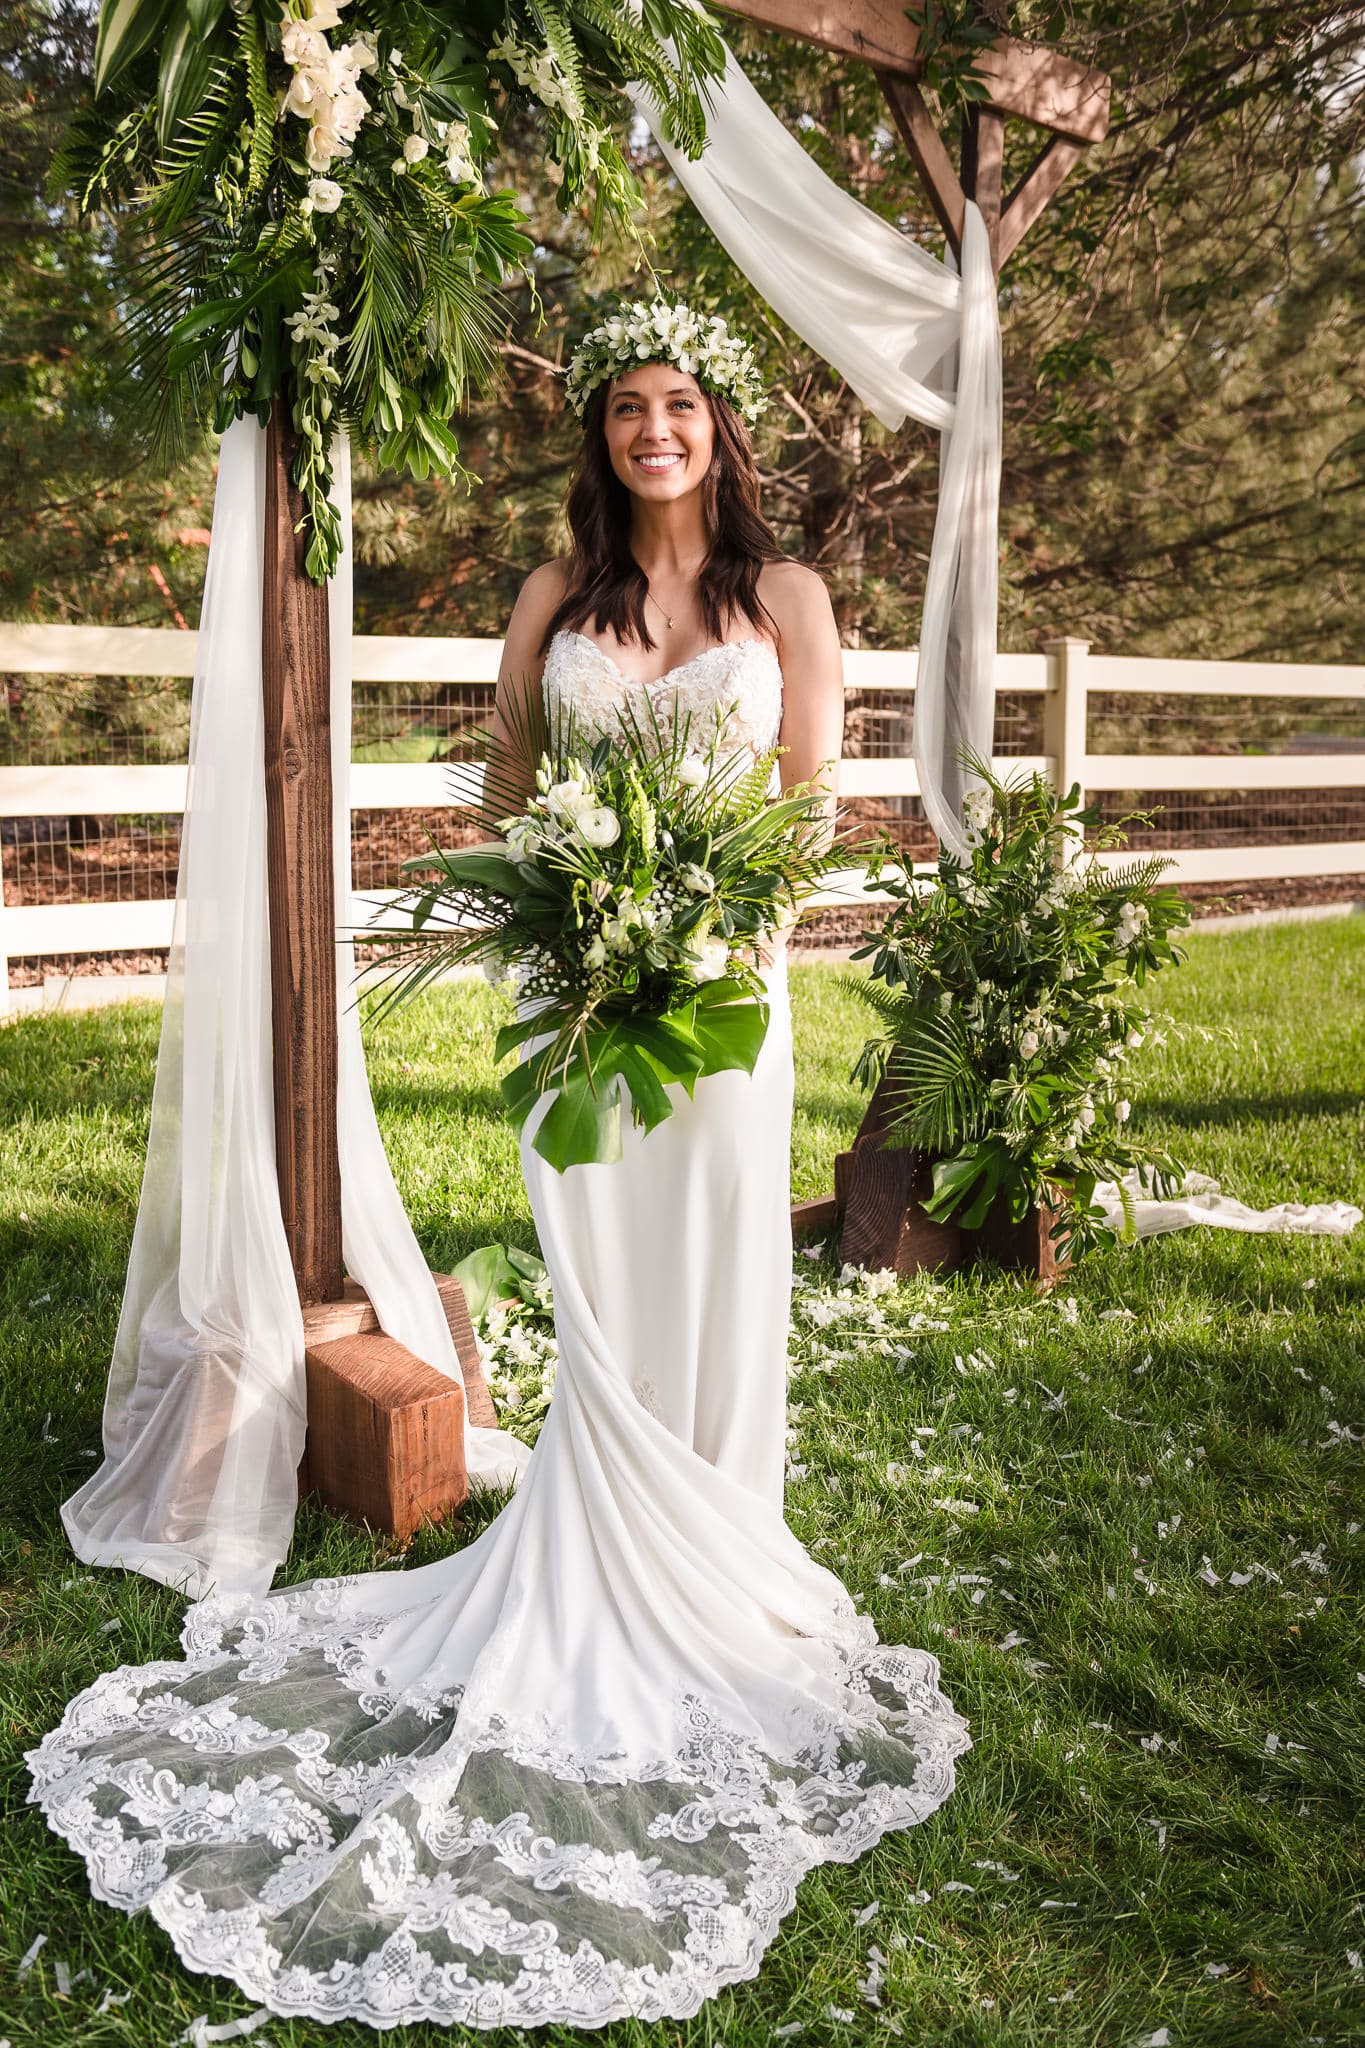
698, 343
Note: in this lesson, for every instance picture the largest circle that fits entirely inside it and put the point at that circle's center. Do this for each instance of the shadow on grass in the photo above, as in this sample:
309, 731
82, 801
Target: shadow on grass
1236, 1110
399, 1098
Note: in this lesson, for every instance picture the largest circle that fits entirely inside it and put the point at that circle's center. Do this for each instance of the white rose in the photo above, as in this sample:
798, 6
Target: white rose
599, 826
709, 961
568, 798
415, 148
1122, 1111
1085, 1115
1028, 1045
325, 194
692, 771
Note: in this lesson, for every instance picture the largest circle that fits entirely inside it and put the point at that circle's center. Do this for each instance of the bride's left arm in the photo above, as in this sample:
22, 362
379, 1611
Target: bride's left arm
812, 684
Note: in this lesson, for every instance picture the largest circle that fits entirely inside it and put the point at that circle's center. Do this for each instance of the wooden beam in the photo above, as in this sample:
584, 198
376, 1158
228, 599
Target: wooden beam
1035, 190
927, 152
1035, 83
296, 686
983, 163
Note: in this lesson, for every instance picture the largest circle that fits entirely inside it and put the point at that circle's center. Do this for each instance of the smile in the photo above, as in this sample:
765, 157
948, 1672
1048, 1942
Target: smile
658, 464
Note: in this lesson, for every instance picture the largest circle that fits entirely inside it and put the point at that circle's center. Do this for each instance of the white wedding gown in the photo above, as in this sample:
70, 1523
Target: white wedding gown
577, 1770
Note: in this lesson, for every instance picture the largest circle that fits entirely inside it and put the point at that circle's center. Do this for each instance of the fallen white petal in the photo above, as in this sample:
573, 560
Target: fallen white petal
30, 1955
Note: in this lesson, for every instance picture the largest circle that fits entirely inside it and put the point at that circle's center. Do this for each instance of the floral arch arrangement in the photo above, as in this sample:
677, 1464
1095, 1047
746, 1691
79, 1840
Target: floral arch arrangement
308, 184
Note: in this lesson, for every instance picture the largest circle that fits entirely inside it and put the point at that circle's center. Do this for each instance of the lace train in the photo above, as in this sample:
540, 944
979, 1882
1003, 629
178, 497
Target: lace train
346, 1853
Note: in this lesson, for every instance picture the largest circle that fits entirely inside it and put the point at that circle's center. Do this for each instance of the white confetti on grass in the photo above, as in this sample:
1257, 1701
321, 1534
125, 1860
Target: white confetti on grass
1160, 2039
1217, 1969
110, 2000
868, 1914
199, 2034
30, 1955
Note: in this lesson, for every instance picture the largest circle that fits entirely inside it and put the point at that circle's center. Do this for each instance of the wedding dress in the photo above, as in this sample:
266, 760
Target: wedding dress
575, 1771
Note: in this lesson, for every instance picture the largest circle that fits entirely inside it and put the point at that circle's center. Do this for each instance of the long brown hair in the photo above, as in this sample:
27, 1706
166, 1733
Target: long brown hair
607, 585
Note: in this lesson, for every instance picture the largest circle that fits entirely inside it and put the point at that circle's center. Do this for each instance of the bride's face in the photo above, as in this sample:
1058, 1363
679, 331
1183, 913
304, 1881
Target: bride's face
660, 434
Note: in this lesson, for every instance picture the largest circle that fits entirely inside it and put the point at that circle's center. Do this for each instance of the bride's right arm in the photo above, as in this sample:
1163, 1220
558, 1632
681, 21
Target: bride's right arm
517, 729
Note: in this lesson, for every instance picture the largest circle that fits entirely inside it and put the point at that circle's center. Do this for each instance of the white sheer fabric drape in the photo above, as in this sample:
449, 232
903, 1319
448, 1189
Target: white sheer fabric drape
204, 1416
888, 317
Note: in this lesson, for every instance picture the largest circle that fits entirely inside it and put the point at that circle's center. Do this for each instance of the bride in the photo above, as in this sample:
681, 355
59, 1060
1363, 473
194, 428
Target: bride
577, 1770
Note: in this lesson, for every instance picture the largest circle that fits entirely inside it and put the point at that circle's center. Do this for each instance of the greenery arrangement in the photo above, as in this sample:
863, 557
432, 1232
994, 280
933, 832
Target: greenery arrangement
312, 213
628, 901
1009, 994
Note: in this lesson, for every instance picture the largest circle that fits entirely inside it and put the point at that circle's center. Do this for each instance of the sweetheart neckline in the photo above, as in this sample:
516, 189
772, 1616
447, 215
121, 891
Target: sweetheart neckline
678, 669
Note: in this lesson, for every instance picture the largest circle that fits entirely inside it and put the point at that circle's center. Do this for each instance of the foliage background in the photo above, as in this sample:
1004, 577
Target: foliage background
1184, 454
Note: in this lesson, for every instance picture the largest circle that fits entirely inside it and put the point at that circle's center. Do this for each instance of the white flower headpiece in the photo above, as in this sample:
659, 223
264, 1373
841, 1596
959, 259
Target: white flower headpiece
698, 343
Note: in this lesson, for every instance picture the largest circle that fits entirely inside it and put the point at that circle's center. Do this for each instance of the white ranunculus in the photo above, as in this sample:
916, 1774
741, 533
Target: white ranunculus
325, 194
415, 147
599, 826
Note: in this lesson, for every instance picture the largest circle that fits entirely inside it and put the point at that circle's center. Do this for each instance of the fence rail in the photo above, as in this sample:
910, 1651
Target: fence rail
1063, 679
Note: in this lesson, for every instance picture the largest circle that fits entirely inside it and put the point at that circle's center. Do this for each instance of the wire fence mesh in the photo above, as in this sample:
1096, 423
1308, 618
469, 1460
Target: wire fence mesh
118, 721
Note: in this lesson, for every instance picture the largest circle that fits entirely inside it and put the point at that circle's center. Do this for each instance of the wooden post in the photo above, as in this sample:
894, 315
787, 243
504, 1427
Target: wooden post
1065, 717
296, 685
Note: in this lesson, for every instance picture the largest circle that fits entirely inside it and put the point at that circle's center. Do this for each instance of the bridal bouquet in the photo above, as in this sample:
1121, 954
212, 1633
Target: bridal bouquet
628, 901
1009, 993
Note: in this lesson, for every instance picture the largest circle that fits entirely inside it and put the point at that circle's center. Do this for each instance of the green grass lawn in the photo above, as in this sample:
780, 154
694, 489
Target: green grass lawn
1132, 1535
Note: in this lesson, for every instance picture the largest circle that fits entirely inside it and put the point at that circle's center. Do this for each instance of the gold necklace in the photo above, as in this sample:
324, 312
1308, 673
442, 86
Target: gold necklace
659, 608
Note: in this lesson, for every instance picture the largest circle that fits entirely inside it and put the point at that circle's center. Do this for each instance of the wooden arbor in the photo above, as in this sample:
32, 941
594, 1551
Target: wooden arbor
874, 1204
385, 1429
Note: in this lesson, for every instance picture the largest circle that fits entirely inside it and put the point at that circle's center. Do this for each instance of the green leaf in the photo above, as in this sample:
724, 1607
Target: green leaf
205, 14
497, 1272
187, 65
126, 28
580, 1128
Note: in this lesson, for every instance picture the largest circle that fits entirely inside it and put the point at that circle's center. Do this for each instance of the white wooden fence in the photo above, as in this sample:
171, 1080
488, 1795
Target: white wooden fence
1065, 676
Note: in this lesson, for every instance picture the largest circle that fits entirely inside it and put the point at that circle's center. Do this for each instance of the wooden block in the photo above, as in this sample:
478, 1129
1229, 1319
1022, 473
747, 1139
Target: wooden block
1027, 1246
821, 1213
354, 1316
385, 1439
482, 1413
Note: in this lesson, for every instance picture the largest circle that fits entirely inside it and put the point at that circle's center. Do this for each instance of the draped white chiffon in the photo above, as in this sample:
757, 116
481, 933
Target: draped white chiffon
204, 1414
915, 341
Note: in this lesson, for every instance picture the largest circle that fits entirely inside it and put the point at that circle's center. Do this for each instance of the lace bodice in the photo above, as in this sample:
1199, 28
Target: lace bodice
738, 683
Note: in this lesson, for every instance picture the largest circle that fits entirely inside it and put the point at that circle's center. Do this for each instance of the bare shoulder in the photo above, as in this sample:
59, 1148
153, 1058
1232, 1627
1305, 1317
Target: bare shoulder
542, 591
796, 596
